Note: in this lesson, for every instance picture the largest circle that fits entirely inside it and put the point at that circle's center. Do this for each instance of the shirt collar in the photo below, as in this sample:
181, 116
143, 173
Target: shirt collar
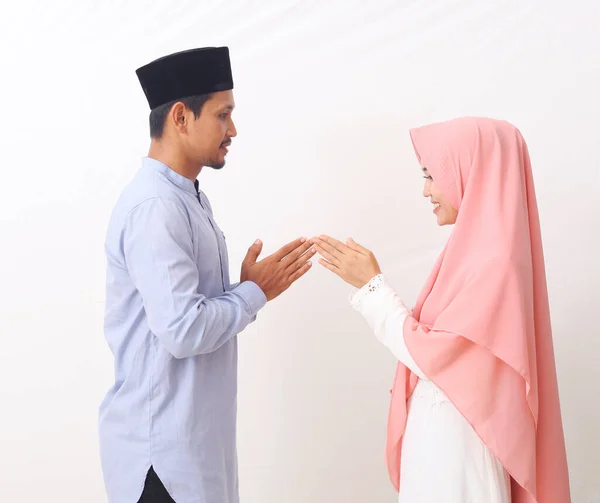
179, 180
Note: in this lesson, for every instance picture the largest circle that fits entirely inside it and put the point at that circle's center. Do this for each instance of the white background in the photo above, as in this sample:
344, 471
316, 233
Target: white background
325, 92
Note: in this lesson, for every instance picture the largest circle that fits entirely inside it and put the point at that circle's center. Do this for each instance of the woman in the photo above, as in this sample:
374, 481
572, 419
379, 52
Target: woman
474, 413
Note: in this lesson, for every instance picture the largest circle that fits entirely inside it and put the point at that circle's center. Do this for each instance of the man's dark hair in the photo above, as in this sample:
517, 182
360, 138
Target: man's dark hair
158, 116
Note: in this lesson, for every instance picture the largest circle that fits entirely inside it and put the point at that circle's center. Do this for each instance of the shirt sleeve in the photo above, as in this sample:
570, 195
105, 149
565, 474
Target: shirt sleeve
158, 249
385, 313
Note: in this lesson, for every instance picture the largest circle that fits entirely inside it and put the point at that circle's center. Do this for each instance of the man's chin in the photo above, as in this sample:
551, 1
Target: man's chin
216, 165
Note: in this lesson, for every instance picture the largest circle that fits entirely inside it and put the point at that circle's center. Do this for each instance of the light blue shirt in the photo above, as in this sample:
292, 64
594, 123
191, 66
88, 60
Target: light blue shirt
171, 322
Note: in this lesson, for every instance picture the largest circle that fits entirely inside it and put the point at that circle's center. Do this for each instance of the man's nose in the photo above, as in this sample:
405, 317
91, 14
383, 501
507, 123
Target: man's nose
232, 130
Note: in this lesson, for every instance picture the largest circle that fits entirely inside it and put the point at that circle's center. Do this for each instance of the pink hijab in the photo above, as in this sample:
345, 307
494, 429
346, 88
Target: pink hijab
481, 327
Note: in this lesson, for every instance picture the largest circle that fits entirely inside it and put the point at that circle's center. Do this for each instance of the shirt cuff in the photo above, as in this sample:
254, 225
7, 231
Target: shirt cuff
377, 299
255, 298
359, 297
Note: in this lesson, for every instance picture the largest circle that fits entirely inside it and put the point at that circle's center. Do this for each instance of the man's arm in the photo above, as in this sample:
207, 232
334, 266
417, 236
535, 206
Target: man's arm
158, 248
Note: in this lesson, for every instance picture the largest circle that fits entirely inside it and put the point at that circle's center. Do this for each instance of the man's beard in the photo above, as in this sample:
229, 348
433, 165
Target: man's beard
213, 163
216, 164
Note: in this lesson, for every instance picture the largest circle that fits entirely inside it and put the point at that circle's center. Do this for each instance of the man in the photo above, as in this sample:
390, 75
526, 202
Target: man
168, 424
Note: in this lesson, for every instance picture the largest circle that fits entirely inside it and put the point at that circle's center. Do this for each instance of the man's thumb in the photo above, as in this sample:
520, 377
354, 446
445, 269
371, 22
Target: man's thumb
253, 252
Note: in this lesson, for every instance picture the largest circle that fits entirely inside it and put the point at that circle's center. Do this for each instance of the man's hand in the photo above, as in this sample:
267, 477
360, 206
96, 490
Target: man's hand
275, 273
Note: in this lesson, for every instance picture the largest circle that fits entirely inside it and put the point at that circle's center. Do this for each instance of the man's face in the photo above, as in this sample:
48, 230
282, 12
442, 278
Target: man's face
207, 137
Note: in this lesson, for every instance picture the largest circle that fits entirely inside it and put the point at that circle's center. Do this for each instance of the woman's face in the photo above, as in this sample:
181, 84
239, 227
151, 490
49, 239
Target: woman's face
446, 214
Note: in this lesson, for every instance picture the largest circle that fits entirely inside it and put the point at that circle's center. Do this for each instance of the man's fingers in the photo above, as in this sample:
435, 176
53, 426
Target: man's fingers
294, 254
288, 248
300, 261
253, 252
300, 272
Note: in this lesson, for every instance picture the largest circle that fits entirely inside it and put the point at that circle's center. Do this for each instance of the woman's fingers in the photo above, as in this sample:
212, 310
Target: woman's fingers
330, 266
353, 245
324, 252
328, 248
333, 243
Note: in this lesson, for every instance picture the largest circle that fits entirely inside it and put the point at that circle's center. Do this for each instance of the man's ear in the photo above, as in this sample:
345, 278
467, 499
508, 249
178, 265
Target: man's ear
177, 116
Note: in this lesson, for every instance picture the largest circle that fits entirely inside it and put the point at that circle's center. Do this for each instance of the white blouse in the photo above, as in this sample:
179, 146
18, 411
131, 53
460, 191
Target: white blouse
443, 459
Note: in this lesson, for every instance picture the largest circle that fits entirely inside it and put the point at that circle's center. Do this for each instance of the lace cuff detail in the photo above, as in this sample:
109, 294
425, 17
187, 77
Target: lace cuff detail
357, 298
375, 283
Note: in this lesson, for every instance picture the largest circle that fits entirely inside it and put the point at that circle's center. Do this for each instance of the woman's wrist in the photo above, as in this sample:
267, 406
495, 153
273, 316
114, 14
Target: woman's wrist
368, 278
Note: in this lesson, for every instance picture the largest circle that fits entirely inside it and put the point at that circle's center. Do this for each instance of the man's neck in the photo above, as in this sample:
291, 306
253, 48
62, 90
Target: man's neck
173, 159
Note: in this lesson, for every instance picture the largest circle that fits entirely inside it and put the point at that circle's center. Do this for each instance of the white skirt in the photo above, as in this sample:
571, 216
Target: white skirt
443, 459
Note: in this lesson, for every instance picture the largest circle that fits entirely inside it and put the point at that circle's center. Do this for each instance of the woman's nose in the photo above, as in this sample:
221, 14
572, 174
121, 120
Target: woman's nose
426, 191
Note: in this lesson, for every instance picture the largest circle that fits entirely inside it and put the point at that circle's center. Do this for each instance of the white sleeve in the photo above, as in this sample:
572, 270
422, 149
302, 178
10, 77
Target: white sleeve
385, 313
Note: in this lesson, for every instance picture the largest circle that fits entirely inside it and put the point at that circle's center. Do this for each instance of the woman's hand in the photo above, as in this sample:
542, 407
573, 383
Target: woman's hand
351, 262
